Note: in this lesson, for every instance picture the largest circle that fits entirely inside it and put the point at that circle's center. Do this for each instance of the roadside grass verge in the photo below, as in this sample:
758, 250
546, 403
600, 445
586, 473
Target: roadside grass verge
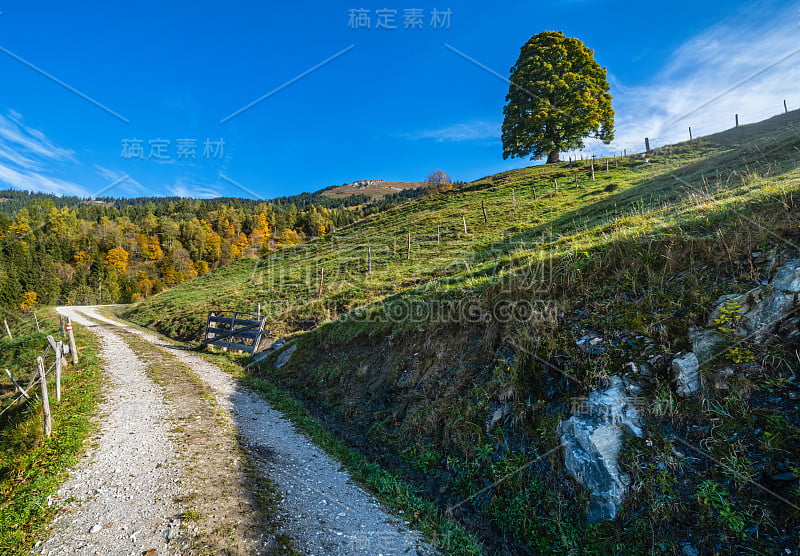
33, 467
444, 533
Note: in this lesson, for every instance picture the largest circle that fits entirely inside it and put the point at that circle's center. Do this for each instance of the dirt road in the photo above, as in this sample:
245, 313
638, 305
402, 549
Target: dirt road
187, 461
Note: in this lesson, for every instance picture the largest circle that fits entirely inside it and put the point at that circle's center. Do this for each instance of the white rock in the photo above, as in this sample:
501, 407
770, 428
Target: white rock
686, 370
284, 357
592, 441
787, 278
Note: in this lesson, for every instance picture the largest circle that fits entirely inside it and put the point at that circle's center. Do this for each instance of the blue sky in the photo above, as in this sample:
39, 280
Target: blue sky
387, 103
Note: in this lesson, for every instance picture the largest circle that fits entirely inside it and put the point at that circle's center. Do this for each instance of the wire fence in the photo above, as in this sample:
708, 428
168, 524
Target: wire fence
684, 129
57, 350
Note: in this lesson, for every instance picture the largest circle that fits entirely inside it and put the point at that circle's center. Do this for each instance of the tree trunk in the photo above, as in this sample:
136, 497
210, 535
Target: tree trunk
553, 157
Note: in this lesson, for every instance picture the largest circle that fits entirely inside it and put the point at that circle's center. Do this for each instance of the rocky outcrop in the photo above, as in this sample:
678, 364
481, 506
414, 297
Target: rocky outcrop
284, 357
592, 438
706, 343
787, 278
754, 314
498, 415
762, 308
277, 345
364, 184
686, 373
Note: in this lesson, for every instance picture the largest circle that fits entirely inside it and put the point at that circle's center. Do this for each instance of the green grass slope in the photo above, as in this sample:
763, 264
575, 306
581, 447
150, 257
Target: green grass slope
632, 197
454, 362
33, 466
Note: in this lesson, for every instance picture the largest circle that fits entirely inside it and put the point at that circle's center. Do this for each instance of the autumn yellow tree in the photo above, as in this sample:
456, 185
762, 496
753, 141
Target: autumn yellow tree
144, 284
28, 303
82, 258
117, 260
212, 250
241, 244
259, 237
190, 273
439, 182
149, 247
289, 237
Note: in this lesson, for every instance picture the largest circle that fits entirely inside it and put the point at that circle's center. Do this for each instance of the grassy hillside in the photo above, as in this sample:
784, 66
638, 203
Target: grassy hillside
634, 197
32, 466
460, 357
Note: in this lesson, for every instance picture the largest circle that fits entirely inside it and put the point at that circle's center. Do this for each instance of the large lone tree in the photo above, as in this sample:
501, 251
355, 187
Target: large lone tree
558, 95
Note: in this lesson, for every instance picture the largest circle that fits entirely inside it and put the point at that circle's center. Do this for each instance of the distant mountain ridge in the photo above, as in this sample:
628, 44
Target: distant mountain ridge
373, 188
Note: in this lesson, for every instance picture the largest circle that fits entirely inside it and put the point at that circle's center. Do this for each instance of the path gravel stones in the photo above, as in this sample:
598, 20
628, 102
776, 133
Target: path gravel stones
120, 497
322, 509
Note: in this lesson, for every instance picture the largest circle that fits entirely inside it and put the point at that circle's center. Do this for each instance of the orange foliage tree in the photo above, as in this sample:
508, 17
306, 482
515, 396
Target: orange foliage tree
117, 260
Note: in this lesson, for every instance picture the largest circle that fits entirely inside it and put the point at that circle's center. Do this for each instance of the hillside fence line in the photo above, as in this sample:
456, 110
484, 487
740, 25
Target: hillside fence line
362, 259
691, 129
44, 368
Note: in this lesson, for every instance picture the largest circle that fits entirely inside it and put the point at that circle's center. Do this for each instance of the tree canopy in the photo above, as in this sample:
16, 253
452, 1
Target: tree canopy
558, 95
438, 182
69, 250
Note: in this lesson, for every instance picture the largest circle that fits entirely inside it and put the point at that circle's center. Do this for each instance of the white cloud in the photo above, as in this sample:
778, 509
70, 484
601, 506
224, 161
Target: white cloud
24, 152
17, 158
747, 65
467, 131
34, 181
14, 131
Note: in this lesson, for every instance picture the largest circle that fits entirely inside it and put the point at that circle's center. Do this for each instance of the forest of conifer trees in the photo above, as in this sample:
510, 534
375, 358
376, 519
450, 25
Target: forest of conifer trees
74, 251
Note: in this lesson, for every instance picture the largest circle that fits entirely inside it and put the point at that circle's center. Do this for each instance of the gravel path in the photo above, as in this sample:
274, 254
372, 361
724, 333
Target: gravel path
323, 510
120, 497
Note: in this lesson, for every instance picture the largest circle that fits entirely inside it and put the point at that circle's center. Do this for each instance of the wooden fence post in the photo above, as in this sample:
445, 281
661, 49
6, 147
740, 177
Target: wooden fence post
408, 250
321, 281
8, 330
785, 108
59, 347
369, 260
592, 167
607, 165
464, 220
690, 133
72, 349
737, 120
647, 144
48, 422
438, 235
36, 320
533, 190
64, 361
483, 208
514, 199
